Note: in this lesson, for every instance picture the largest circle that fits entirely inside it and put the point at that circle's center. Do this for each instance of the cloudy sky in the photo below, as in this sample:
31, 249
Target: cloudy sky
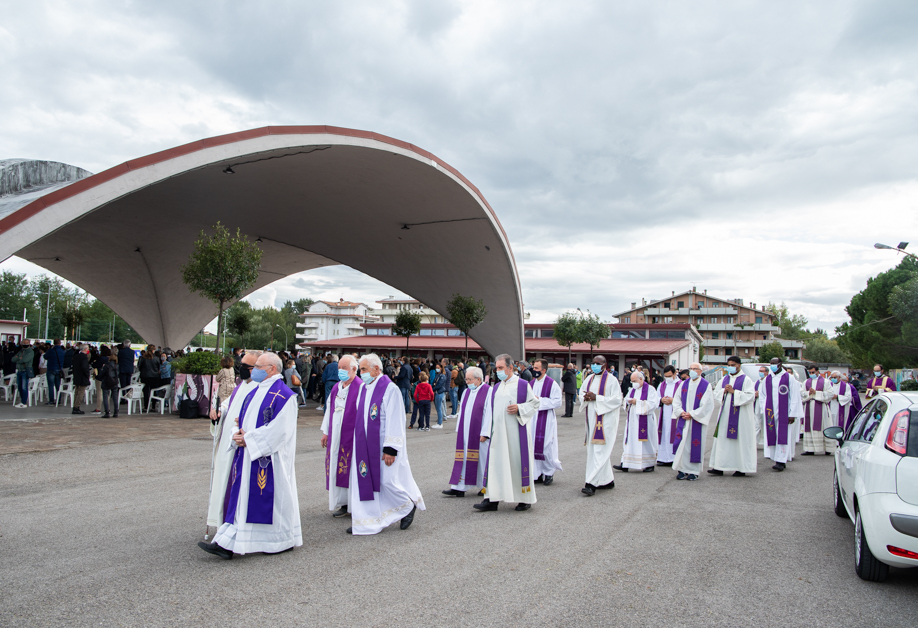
755, 149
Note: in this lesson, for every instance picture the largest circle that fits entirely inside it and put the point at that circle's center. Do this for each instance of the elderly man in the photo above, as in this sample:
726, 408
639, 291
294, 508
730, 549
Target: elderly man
262, 509
601, 400
473, 432
640, 445
780, 405
840, 402
510, 455
223, 424
666, 428
694, 406
569, 383
381, 488
879, 382
545, 437
338, 434
816, 414
735, 435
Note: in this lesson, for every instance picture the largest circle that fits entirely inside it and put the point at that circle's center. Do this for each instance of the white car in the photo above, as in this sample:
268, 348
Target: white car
876, 483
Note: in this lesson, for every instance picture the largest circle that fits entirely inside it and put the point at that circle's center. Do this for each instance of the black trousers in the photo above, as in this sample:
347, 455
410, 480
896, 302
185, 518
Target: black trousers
569, 404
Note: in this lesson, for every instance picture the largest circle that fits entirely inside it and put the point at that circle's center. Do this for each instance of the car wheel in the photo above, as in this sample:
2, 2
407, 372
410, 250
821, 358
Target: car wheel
865, 563
839, 504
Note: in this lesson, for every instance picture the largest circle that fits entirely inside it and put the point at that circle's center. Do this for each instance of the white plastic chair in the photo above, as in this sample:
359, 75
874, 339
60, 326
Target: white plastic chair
65, 389
35, 391
8, 387
135, 378
162, 401
136, 397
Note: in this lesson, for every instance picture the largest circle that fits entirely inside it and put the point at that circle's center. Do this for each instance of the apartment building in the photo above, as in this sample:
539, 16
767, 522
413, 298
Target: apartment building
727, 326
329, 320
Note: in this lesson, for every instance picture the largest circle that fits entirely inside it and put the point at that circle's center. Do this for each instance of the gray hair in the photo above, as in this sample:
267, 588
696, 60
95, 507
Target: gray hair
836, 374
126, 343
637, 374
475, 372
505, 358
372, 360
351, 362
274, 360
332, 357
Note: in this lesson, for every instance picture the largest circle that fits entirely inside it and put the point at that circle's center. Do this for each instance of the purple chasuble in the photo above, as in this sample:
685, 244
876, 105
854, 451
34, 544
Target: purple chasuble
346, 441
816, 425
779, 437
468, 455
542, 419
367, 446
642, 419
599, 435
261, 501
733, 416
854, 407
521, 389
695, 443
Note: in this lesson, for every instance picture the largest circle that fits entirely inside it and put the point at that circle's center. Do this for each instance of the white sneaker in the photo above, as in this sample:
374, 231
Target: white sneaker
436, 427
321, 408
21, 405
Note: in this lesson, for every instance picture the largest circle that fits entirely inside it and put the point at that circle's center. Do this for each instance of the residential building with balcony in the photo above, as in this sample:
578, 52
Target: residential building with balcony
328, 320
727, 326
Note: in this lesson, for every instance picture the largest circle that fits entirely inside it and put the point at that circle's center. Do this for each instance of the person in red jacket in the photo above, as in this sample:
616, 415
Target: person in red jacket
423, 395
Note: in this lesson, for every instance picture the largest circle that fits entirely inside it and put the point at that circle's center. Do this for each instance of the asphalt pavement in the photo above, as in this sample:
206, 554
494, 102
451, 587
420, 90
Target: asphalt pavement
106, 534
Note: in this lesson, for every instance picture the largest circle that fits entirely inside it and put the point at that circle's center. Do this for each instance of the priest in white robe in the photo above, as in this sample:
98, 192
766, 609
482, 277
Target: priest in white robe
666, 426
817, 394
223, 424
840, 402
780, 406
640, 443
340, 410
694, 405
382, 489
734, 448
601, 400
757, 407
262, 512
511, 460
473, 435
544, 428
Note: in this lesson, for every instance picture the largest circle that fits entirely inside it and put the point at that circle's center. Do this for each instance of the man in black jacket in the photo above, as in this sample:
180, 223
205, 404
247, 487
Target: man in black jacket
569, 386
80, 370
403, 381
125, 364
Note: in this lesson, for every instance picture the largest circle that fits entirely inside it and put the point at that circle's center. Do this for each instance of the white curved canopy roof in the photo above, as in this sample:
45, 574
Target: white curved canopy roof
315, 196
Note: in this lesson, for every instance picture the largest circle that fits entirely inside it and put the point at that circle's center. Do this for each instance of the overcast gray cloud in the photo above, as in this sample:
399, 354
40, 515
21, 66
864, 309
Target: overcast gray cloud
756, 149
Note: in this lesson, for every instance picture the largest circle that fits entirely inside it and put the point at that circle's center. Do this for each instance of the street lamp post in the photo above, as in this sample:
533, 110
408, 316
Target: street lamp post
900, 248
285, 336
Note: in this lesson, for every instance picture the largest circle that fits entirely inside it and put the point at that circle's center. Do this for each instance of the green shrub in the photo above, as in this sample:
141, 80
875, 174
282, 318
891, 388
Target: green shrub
909, 384
197, 363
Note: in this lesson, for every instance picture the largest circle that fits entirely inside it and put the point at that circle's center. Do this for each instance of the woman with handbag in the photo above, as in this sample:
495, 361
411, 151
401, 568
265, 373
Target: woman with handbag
226, 378
292, 379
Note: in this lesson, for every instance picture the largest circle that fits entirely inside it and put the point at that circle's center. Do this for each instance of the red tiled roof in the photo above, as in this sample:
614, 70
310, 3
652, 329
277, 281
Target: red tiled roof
629, 346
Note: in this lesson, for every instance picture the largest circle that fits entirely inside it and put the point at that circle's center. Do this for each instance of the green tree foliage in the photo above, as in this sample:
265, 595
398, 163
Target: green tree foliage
903, 303
821, 349
876, 333
771, 350
15, 297
567, 331
198, 363
239, 321
793, 327
465, 313
222, 267
592, 331
908, 385
407, 324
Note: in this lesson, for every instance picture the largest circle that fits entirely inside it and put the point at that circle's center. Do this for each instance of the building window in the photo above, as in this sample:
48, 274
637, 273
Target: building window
439, 332
758, 320
728, 320
715, 304
426, 332
385, 332
746, 351
713, 319
529, 333
666, 305
716, 351
715, 335
657, 334
764, 337
701, 304
655, 319
454, 332
627, 319
548, 333
729, 335
372, 332
680, 304
699, 320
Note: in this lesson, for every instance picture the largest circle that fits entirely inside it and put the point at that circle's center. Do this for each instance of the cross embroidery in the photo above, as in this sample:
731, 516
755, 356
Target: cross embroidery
276, 395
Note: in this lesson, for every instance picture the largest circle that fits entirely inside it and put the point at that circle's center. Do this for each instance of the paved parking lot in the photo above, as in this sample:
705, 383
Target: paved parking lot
99, 521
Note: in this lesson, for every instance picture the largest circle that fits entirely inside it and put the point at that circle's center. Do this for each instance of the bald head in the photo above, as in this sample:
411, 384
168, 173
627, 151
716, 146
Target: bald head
249, 359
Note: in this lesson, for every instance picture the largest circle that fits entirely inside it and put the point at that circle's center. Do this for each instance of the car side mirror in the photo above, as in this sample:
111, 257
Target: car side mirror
835, 433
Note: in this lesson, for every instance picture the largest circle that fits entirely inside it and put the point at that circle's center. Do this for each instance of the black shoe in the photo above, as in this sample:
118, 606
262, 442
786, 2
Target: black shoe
607, 486
808, 453
521, 507
289, 549
481, 493
50, 403
454, 493
715, 472
648, 469
589, 490
106, 415
486, 504
739, 474
216, 550
77, 411
349, 531
779, 466
664, 464
828, 453
691, 477
548, 480
341, 512
540, 479
408, 519
115, 416
680, 476
619, 467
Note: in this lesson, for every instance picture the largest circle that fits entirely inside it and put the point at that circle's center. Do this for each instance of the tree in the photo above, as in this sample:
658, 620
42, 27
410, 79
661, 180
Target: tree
222, 267
771, 350
793, 327
239, 322
15, 297
301, 306
407, 324
567, 331
592, 331
465, 313
822, 350
876, 333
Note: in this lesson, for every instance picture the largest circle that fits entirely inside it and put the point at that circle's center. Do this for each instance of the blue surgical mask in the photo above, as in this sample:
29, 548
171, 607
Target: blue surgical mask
342, 375
501, 375
472, 387
877, 373
773, 368
834, 380
814, 375
367, 378
597, 369
259, 375
731, 370
762, 374
694, 374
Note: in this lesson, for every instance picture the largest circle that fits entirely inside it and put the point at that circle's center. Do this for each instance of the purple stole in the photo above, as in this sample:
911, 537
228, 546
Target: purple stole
367, 446
881, 382
261, 501
468, 455
733, 416
674, 428
599, 436
521, 389
817, 420
642, 419
342, 478
854, 407
660, 422
542, 419
695, 455
783, 389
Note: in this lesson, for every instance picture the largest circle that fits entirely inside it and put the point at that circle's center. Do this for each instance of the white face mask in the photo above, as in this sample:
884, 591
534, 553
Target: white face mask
637, 385
670, 378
